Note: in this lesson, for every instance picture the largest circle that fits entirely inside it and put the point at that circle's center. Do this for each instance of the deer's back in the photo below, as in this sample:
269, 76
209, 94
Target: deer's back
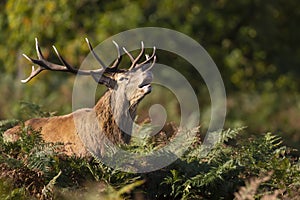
53, 129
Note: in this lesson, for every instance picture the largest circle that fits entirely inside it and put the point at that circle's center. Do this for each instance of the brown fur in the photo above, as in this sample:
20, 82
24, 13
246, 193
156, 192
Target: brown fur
63, 129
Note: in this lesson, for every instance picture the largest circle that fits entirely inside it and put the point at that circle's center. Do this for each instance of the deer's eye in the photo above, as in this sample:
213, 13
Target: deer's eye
123, 78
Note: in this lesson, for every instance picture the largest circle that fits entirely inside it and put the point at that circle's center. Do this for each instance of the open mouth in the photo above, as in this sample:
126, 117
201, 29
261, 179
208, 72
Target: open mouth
146, 88
143, 85
146, 81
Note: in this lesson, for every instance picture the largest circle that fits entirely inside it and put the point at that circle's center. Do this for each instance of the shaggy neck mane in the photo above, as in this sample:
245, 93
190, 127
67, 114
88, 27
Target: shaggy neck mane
115, 116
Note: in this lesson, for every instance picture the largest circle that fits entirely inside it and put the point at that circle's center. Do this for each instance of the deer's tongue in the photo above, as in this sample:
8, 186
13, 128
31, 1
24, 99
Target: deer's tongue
147, 88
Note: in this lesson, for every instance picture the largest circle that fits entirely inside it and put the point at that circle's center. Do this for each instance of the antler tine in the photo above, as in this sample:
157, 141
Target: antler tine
95, 55
148, 58
43, 64
28, 58
129, 55
33, 72
152, 64
38, 49
138, 57
118, 48
118, 60
67, 65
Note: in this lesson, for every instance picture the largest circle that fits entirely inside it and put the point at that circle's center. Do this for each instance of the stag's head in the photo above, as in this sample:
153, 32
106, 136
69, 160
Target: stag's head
130, 84
133, 84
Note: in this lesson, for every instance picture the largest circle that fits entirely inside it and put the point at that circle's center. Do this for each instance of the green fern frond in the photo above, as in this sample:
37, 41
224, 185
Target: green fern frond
214, 149
273, 140
229, 134
41, 157
47, 192
213, 176
31, 110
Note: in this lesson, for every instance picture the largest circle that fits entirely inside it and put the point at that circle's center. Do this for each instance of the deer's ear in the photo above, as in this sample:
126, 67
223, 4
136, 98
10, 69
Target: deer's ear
102, 79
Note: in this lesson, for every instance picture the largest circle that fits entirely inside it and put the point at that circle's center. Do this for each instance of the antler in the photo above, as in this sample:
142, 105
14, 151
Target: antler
148, 58
97, 74
66, 67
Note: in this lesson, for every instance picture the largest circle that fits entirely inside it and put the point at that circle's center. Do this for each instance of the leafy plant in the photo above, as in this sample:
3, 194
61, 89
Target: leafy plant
224, 169
34, 168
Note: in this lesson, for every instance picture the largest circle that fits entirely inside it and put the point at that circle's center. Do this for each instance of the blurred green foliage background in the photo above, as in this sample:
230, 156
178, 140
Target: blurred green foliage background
255, 45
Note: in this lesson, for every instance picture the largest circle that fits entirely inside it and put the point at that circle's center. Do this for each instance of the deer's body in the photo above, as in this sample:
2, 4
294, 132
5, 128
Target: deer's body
111, 118
63, 128
51, 131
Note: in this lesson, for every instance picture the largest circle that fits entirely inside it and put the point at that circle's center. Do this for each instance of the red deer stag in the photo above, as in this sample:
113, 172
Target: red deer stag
114, 111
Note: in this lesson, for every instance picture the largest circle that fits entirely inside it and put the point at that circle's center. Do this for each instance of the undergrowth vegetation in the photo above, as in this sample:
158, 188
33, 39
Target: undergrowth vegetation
237, 167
